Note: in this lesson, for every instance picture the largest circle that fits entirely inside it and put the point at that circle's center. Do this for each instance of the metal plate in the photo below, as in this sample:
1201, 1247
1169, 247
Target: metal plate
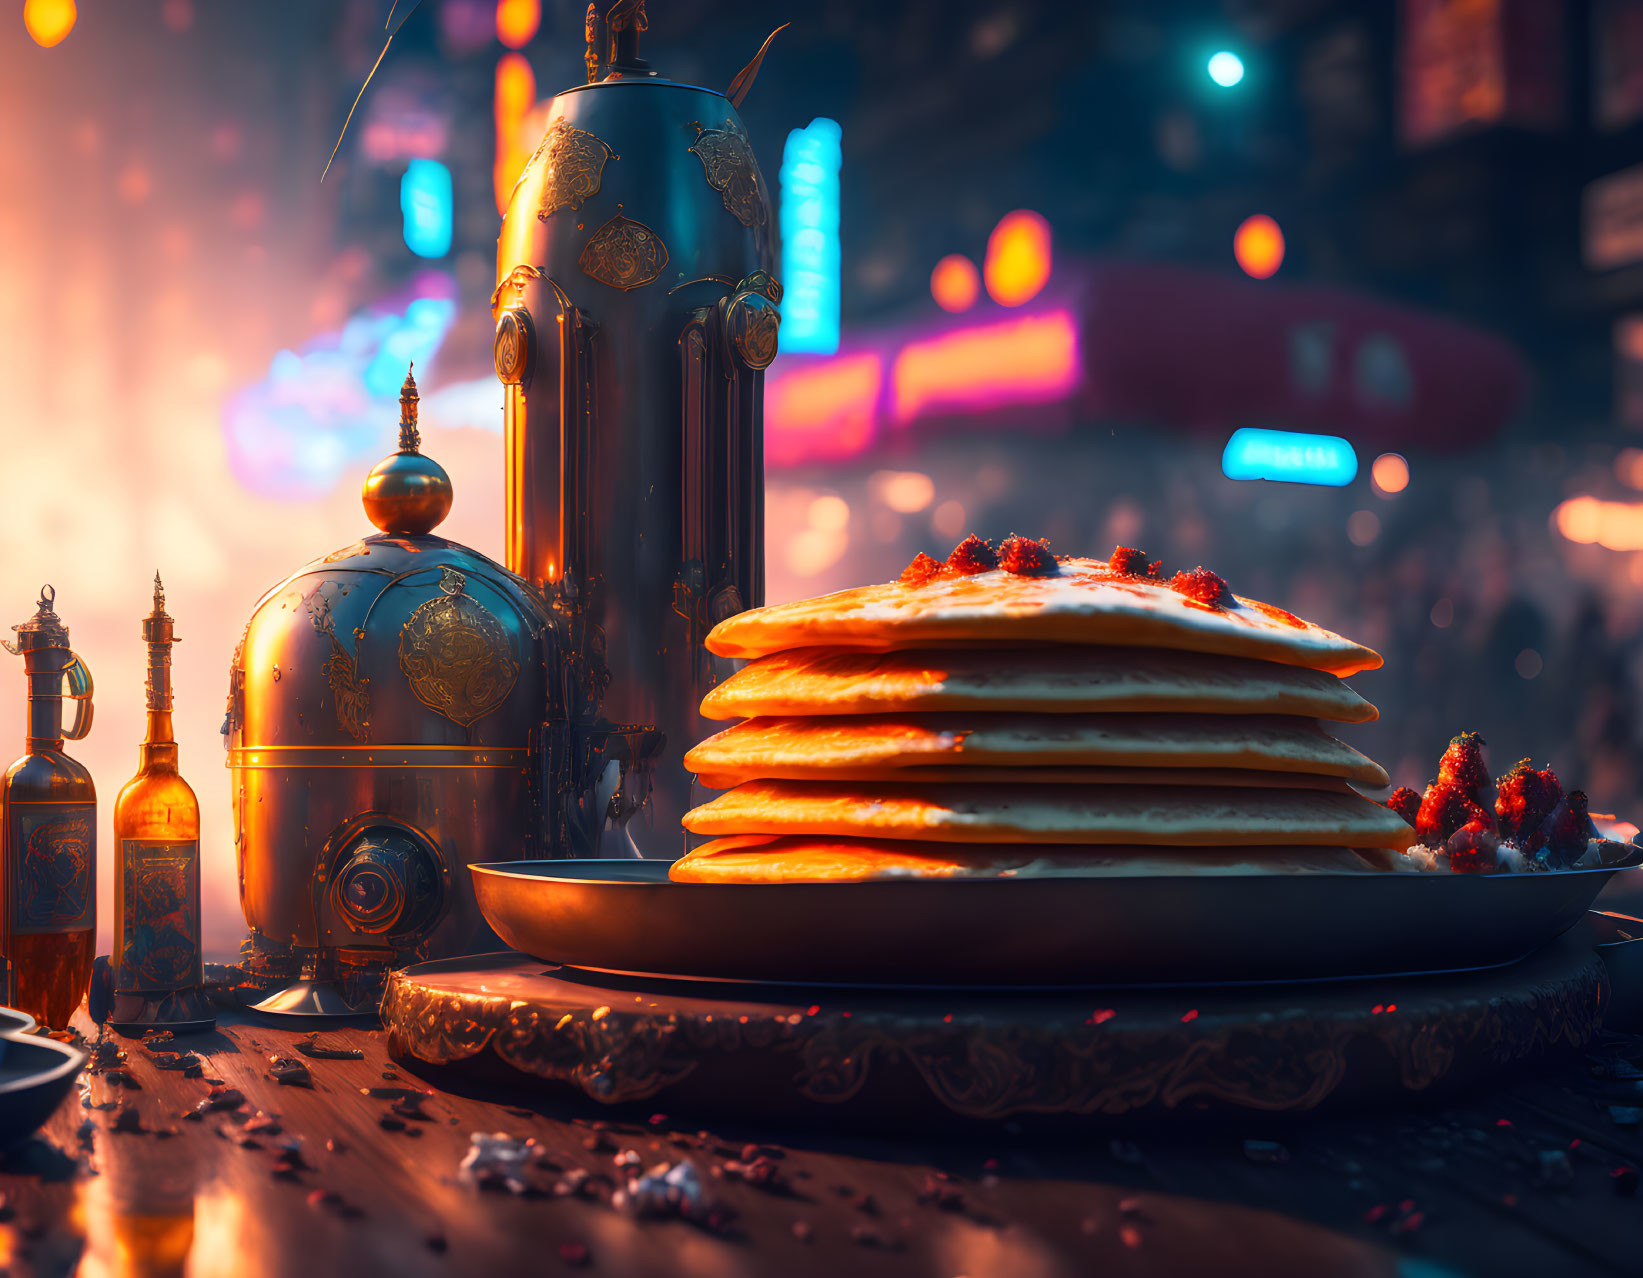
626, 917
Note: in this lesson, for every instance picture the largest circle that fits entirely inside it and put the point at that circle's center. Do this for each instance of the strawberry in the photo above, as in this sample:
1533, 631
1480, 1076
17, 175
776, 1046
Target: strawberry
1202, 586
1473, 849
1405, 802
1463, 763
1444, 809
972, 556
1127, 561
1525, 799
921, 570
1027, 558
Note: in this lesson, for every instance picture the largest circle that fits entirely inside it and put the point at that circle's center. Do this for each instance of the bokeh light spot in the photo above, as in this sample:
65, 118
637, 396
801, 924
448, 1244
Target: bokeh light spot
1018, 258
955, 283
515, 95
1588, 520
517, 21
1362, 527
830, 513
134, 184
1390, 473
1528, 664
1225, 68
1259, 247
949, 519
815, 550
49, 21
904, 491
178, 15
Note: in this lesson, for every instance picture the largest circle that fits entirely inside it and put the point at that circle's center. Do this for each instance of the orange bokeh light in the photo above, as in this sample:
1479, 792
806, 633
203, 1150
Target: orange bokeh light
1259, 246
1033, 359
49, 21
515, 95
1018, 258
1390, 473
517, 21
955, 283
1615, 525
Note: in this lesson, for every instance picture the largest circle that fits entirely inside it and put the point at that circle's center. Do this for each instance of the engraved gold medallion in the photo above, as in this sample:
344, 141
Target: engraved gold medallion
456, 656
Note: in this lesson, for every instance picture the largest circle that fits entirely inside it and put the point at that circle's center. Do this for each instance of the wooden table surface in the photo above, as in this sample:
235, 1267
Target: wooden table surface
128, 1179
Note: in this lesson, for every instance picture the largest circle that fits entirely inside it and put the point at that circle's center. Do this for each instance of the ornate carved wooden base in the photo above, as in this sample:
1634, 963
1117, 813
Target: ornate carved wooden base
790, 1053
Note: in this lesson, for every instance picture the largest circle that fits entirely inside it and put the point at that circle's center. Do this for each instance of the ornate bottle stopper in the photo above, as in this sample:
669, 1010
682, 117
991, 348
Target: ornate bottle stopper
407, 494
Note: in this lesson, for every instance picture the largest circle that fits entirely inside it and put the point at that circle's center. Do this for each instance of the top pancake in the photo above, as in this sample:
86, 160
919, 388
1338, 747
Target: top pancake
1051, 680
1085, 602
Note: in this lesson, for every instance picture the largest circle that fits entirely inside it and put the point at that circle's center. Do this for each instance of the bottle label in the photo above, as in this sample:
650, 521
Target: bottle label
54, 867
159, 941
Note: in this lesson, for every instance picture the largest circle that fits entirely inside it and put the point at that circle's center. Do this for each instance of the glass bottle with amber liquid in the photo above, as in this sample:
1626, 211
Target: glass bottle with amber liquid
48, 815
156, 960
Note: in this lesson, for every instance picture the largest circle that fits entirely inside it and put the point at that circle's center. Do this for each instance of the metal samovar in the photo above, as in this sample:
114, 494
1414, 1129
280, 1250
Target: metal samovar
635, 315
384, 709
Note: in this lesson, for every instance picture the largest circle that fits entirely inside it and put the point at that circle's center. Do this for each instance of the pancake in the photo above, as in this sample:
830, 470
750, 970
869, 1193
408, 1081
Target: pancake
978, 813
1085, 603
812, 748
1071, 776
755, 858
1053, 680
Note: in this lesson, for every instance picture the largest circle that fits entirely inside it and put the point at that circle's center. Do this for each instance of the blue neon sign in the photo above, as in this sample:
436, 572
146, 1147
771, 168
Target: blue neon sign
810, 238
425, 200
1289, 457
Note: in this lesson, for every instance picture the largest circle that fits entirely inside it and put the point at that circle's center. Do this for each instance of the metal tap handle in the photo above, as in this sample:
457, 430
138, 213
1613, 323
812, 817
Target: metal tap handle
78, 675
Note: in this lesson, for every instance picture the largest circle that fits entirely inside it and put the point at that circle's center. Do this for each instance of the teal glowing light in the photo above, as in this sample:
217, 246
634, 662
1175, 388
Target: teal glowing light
1226, 68
810, 239
425, 200
1290, 457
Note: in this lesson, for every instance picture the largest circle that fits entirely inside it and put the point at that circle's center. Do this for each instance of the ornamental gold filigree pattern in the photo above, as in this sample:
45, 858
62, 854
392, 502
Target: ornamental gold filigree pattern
512, 345
624, 253
574, 164
727, 157
456, 656
753, 325
996, 1060
350, 694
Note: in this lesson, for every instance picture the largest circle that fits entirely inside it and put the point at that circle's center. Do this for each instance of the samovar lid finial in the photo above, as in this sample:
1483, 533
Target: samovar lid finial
410, 439
407, 494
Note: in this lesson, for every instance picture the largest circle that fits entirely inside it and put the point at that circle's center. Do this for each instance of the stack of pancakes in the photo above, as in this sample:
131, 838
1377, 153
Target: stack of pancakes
1042, 717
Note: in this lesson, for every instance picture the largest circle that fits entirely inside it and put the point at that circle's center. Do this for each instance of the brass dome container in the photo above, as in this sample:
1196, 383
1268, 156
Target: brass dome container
383, 711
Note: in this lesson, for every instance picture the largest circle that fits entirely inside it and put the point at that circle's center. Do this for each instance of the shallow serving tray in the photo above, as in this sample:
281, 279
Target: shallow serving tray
626, 917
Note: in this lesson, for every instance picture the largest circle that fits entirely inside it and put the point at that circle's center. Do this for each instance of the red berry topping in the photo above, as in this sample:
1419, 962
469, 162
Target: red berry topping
1027, 558
1473, 849
1202, 586
1525, 799
1567, 829
972, 555
1127, 561
1463, 764
1405, 802
1444, 809
921, 570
